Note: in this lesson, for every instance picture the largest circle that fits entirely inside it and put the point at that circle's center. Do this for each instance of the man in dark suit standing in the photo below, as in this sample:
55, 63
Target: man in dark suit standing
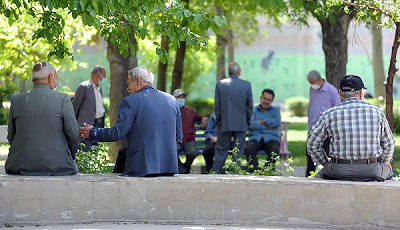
42, 130
233, 108
88, 102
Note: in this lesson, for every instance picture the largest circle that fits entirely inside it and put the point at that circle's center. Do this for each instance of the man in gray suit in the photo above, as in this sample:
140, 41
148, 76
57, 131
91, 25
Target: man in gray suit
233, 108
88, 102
42, 129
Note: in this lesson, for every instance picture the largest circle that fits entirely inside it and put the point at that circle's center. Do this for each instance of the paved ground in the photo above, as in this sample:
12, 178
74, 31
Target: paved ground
131, 226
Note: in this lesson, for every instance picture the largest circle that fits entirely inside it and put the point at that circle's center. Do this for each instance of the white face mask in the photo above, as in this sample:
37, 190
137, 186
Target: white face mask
315, 86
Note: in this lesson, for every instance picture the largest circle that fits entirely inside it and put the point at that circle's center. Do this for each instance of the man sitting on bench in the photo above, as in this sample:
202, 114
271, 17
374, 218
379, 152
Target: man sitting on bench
362, 144
189, 116
263, 130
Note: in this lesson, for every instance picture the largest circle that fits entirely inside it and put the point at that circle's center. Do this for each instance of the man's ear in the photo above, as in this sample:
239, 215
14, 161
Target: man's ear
340, 94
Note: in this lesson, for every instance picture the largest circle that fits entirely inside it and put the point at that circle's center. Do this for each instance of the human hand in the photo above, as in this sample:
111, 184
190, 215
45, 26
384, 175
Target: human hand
390, 166
204, 122
84, 132
260, 121
213, 139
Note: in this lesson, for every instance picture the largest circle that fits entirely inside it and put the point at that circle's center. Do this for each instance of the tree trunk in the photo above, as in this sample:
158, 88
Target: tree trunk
377, 61
162, 68
335, 44
178, 67
179, 61
391, 73
221, 47
119, 67
231, 47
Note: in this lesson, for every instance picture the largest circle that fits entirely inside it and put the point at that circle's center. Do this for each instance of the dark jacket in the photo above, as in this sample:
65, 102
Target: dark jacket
43, 133
233, 104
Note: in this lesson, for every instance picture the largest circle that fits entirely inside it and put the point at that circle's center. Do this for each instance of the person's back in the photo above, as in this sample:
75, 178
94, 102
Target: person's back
361, 142
234, 100
352, 125
233, 107
157, 116
151, 121
43, 133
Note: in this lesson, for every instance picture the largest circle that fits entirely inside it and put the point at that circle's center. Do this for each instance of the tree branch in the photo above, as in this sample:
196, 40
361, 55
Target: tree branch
370, 8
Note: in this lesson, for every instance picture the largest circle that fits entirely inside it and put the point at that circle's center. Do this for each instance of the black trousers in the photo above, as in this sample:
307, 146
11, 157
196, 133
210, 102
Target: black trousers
120, 163
208, 154
310, 164
254, 146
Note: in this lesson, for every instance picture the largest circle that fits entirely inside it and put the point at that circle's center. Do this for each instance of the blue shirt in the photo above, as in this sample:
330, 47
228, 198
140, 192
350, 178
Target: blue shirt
272, 117
151, 121
211, 129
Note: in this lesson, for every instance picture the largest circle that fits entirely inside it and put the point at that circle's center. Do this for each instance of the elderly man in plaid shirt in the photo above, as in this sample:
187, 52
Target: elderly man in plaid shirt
362, 143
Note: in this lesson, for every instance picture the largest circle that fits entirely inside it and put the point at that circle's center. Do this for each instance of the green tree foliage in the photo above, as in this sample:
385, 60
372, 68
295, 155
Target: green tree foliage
197, 63
113, 18
19, 51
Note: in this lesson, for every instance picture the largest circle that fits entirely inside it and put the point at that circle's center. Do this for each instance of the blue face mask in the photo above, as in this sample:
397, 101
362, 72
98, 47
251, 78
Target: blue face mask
181, 102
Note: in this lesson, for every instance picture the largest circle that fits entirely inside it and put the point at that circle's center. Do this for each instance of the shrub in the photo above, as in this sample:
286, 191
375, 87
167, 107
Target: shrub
96, 160
4, 116
297, 105
107, 112
204, 107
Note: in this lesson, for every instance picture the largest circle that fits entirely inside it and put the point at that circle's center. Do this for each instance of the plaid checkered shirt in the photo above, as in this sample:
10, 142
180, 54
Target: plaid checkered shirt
357, 131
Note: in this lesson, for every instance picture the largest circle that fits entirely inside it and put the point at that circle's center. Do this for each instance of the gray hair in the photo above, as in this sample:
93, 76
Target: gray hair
313, 74
42, 70
233, 69
97, 69
348, 94
143, 73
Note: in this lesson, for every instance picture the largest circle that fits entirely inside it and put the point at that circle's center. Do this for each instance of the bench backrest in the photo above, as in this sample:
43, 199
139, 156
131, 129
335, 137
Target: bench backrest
201, 140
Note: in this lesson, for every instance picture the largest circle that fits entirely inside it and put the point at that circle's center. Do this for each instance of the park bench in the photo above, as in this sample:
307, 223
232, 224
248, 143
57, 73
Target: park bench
283, 128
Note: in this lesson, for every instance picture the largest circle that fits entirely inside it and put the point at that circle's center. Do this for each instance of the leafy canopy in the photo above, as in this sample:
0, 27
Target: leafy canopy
115, 19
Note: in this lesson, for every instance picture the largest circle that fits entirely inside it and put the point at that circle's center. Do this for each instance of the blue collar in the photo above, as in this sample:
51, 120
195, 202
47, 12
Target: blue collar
258, 108
147, 87
233, 76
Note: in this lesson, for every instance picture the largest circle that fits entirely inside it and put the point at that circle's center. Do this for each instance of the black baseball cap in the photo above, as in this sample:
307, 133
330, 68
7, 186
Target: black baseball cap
351, 83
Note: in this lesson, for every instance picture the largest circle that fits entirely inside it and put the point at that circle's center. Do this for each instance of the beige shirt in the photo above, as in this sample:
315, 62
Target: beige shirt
99, 101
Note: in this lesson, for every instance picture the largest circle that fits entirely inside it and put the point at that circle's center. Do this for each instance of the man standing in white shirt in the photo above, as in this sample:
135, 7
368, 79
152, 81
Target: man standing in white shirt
88, 102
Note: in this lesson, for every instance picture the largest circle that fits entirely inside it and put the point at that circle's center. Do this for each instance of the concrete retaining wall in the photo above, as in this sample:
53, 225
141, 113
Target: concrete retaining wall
207, 199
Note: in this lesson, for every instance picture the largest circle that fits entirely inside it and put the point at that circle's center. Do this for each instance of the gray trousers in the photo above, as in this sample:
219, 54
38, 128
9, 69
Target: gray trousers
190, 152
356, 172
224, 144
